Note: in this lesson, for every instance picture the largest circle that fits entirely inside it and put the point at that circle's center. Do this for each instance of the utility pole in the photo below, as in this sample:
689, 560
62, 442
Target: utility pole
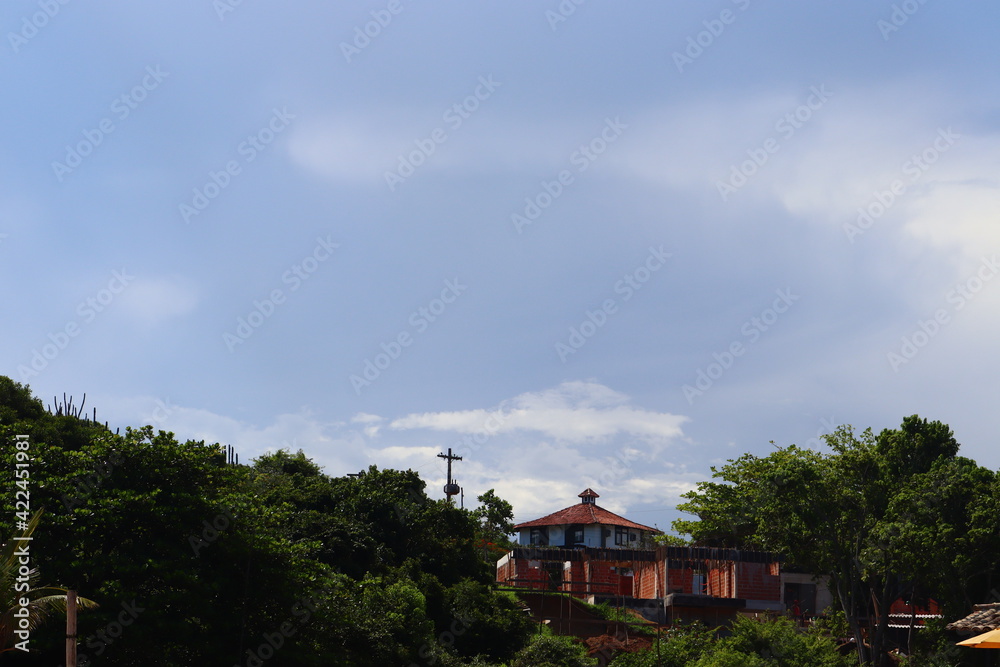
451, 488
70, 628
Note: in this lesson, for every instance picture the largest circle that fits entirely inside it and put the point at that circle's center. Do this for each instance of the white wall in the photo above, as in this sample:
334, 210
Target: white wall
591, 536
824, 598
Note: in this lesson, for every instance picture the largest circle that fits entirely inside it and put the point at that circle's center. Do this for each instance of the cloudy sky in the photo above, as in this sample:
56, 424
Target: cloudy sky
582, 243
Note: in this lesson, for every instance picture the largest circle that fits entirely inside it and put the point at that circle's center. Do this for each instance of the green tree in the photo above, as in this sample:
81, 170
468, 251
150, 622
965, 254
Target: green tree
776, 642
866, 514
676, 647
946, 511
212, 560
496, 522
485, 622
667, 540
16, 586
162, 530
380, 526
553, 651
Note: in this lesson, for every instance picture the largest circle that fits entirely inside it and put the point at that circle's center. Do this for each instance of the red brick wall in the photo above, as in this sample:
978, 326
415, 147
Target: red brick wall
520, 573
602, 579
581, 579
720, 580
577, 575
750, 581
755, 582
680, 579
645, 580
900, 607
649, 579
504, 572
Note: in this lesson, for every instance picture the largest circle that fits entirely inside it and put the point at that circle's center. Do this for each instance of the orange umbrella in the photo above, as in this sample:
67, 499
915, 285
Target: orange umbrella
989, 639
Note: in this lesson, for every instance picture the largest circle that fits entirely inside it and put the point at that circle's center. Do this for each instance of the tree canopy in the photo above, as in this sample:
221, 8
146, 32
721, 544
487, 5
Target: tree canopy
194, 560
888, 515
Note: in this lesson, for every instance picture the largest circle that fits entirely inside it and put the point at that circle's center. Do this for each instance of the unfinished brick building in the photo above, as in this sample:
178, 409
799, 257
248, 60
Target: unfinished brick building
592, 553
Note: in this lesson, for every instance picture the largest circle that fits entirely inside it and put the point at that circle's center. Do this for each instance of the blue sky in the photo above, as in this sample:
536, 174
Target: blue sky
583, 243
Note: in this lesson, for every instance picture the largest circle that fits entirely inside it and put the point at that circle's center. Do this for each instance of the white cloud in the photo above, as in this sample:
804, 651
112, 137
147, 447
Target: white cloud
405, 456
958, 210
854, 146
338, 450
539, 450
373, 423
550, 445
573, 412
361, 149
151, 301
342, 149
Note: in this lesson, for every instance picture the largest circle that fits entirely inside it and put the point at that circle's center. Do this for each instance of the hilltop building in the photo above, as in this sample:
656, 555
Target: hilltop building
585, 524
595, 554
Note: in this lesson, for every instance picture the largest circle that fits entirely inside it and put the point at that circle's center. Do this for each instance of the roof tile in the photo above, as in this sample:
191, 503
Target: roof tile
584, 513
984, 618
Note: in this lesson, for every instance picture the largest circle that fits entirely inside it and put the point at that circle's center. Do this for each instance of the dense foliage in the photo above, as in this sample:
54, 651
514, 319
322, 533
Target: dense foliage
195, 561
895, 515
750, 643
551, 651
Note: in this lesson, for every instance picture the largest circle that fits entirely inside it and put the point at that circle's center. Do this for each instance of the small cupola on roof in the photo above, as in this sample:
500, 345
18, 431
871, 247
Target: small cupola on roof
589, 497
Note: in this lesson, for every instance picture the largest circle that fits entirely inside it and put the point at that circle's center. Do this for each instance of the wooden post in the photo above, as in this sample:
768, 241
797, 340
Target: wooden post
70, 628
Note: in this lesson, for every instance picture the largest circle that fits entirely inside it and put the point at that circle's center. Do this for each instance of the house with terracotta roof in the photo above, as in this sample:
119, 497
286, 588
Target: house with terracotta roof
585, 524
594, 554
984, 617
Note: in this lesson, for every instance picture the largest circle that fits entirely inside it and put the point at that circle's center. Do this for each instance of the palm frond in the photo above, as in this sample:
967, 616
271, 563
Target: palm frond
42, 601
